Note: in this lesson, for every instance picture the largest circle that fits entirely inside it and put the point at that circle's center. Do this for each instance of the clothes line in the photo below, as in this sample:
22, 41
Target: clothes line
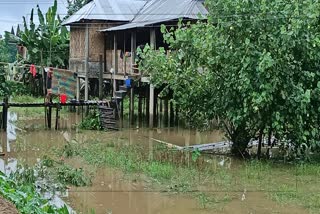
37, 66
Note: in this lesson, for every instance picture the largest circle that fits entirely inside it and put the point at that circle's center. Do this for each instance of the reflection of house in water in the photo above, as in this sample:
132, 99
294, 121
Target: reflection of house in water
9, 165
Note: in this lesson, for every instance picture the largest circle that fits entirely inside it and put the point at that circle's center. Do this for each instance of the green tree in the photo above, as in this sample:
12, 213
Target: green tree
252, 64
75, 5
4, 57
4, 52
11, 45
47, 43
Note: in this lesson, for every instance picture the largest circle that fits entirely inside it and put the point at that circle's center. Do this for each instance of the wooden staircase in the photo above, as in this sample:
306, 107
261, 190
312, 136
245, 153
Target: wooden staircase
108, 113
107, 118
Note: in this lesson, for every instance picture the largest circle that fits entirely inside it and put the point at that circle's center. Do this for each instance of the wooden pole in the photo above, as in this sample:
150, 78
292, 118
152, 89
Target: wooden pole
78, 85
5, 114
151, 95
105, 54
115, 61
86, 92
121, 113
132, 104
140, 109
171, 113
100, 78
166, 111
133, 49
151, 106
124, 62
153, 38
57, 118
161, 106
177, 116
49, 117
147, 100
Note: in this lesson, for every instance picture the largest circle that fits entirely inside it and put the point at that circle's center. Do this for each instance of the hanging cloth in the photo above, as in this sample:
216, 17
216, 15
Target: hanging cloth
33, 70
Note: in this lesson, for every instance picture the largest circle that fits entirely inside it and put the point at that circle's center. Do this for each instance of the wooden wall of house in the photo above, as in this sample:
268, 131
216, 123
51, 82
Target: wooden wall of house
96, 47
77, 42
96, 41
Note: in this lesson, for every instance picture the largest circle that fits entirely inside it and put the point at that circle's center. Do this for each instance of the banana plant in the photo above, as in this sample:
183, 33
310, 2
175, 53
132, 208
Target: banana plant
48, 43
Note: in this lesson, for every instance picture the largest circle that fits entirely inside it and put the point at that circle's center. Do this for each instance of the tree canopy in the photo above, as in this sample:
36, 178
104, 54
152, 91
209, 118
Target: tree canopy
254, 64
75, 5
47, 43
4, 57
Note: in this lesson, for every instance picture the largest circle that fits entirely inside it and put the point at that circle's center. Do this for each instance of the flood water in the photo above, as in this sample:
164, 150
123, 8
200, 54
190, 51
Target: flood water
110, 192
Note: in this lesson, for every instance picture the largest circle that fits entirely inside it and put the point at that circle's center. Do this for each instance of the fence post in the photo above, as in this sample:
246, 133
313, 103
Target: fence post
100, 78
5, 113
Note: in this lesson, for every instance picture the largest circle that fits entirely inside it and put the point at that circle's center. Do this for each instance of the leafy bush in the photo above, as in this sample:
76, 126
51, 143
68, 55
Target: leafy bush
26, 199
91, 122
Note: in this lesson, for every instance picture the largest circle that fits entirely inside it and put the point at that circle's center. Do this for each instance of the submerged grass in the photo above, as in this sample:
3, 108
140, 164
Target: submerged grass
54, 172
25, 198
175, 171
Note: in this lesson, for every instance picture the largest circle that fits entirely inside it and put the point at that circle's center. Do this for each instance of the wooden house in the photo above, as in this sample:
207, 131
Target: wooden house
114, 29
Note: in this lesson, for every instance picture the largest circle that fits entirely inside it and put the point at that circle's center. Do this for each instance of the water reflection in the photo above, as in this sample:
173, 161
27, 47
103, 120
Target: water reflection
110, 193
9, 165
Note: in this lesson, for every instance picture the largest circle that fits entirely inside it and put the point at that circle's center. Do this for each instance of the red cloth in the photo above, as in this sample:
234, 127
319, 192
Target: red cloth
63, 98
33, 70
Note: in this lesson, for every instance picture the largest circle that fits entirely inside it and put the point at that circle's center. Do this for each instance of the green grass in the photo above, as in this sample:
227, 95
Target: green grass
175, 171
26, 99
26, 113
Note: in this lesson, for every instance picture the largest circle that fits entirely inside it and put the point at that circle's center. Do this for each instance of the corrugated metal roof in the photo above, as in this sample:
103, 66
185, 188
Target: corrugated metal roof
107, 10
156, 11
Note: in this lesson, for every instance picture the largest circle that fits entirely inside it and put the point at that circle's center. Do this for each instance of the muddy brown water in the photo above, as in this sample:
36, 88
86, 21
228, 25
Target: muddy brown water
111, 192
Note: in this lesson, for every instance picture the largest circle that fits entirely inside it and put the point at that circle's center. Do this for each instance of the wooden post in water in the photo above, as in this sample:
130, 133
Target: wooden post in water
151, 106
147, 104
86, 92
166, 111
121, 114
5, 114
49, 116
115, 63
152, 100
161, 106
177, 116
57, 118
140, 109
78, 89
78, 85
171, 113
132, 104
100, 78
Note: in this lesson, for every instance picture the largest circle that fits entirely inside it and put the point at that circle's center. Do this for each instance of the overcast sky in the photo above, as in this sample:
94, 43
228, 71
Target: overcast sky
11, 11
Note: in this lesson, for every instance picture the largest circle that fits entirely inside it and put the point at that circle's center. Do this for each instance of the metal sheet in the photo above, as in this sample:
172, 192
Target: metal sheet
107, 10
157, 11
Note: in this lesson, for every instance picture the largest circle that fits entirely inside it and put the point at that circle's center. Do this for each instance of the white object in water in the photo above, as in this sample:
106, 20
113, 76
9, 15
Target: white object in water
244, 195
